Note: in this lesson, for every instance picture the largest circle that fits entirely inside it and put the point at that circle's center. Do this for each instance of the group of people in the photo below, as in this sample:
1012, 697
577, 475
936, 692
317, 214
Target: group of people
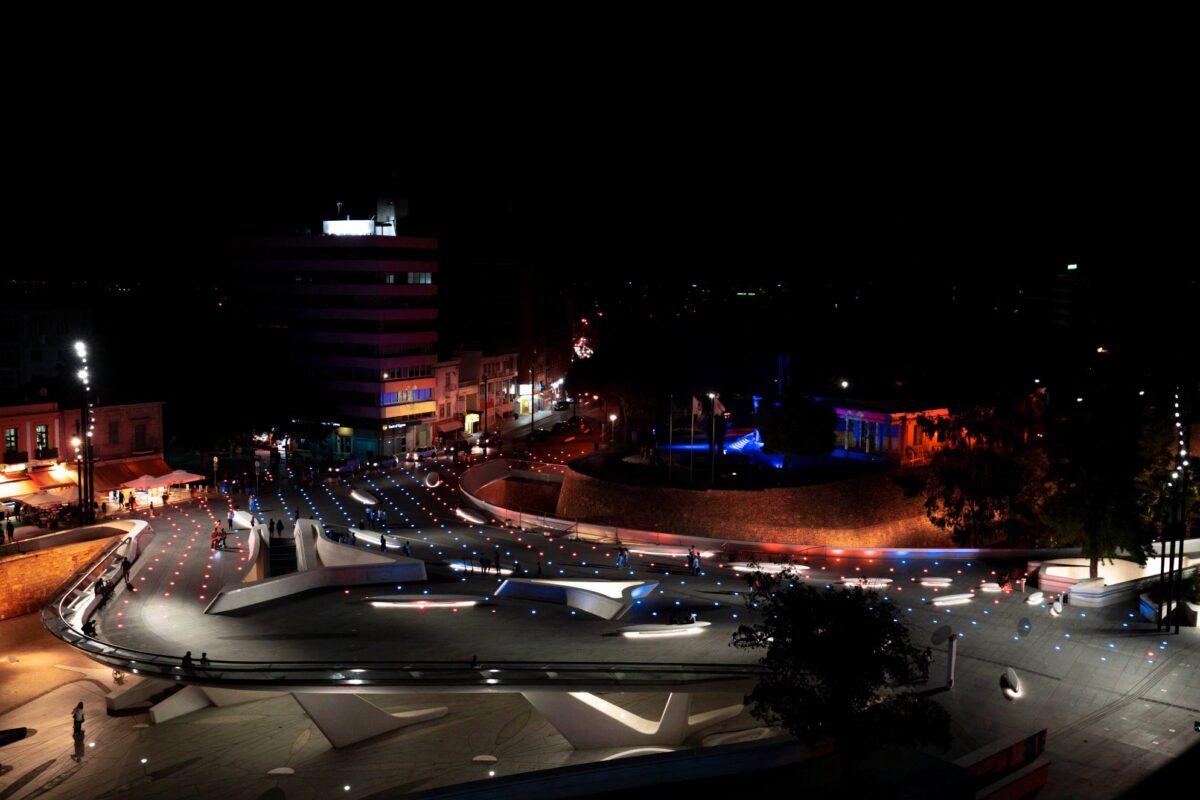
218, 537
275, 527
693, 559
375, 520
188, 663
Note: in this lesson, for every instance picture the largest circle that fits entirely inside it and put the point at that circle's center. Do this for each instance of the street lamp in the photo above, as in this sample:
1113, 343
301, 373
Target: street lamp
214, 473
87, 424
612, 427
76, 442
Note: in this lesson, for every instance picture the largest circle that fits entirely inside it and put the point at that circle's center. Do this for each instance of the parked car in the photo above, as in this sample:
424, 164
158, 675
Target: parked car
417, 455
562, 405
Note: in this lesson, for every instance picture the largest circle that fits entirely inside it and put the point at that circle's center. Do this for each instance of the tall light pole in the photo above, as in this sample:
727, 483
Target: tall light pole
612, 427
87, 424
215, 473
77, 443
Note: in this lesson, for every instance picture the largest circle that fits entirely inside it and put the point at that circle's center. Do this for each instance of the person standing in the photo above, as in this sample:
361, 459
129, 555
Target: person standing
125, 570
408, 551
187, 660
77, 718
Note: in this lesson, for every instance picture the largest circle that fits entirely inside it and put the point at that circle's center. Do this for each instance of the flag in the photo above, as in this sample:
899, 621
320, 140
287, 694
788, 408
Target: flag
697, 409
718, 409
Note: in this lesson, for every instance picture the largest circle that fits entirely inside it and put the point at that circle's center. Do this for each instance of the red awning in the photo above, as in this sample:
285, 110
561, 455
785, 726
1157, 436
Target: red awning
52, 478
11, 489
111, 476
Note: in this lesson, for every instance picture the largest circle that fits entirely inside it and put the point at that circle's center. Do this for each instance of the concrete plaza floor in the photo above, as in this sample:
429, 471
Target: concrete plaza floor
1118, 699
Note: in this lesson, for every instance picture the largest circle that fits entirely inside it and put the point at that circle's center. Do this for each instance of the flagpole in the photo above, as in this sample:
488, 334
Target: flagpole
712, 478
692, 442
670, 437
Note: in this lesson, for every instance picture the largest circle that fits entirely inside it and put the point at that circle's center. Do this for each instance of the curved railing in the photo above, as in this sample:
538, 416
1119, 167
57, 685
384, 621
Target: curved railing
353, 675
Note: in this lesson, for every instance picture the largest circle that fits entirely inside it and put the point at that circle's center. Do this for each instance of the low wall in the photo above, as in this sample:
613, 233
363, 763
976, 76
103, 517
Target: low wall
28, 580
866, 511
539, 497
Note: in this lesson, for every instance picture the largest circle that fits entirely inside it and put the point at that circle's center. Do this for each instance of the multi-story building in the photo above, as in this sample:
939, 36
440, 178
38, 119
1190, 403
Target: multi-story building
38, 455
352, 318
871, 431
474, 391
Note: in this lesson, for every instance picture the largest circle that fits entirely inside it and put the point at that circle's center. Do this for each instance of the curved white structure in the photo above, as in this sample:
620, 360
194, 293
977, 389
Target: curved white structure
1035, 598
323, 563
606, 599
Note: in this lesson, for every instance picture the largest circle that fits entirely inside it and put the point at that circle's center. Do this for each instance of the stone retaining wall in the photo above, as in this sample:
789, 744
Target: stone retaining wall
27, 580
867, 511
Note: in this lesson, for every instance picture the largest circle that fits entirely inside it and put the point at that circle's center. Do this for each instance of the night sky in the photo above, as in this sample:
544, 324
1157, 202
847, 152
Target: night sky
897, 265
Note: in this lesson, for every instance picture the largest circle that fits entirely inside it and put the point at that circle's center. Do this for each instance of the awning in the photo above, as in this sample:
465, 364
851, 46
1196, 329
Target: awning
11, 489
452, 425
42, 499
50, 478
111, 476
179, 476
144, 482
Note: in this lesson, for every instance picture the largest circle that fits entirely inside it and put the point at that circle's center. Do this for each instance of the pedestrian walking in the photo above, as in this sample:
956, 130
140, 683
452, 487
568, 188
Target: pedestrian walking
382, 545
408, 552
77, 718
125, 570
231, 520
539, 569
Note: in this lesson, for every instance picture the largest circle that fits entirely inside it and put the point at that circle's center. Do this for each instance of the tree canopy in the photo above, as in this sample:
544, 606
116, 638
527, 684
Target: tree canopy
987, 483
838, 663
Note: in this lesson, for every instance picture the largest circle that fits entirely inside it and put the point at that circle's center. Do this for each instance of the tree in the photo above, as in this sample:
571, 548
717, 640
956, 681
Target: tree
801, 427
1112, 464
987, 482
838, 664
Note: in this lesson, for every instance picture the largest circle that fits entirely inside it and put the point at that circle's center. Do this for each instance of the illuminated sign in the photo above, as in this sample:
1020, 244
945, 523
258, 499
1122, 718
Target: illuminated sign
349, 227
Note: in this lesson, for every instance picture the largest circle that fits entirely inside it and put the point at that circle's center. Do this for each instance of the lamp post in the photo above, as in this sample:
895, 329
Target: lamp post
87, 424
214, 473
76, 442
612, 427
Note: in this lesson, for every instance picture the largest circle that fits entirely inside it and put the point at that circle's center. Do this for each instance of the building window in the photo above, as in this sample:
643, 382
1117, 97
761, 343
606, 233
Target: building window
389, 277
114, 432
10, 439
420, 277
139, 437
422, 394
345, 445
389, 398
43, 437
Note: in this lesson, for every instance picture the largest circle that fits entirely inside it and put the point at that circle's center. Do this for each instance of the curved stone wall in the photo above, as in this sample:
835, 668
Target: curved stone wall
866, 511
